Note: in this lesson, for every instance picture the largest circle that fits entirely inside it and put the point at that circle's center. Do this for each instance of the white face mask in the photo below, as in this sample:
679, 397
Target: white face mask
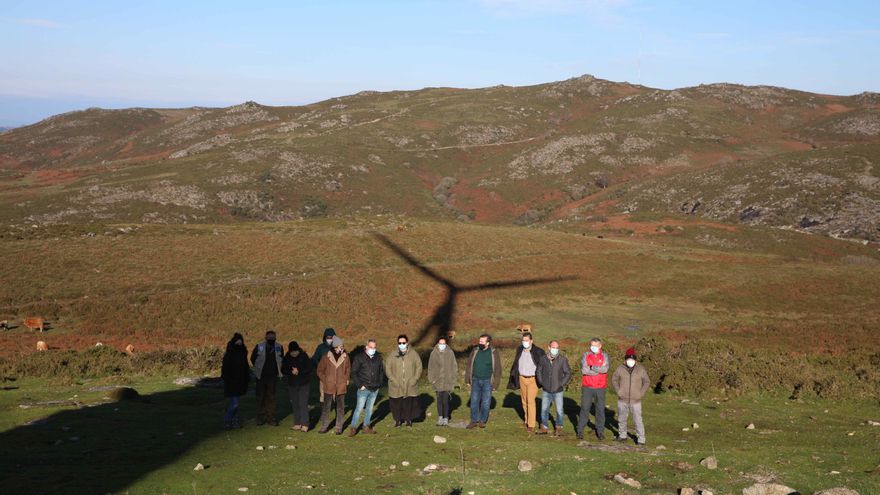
630, 362
402, 347
595, 349
370, 351
329, 341
442, 347
527, 344
554, 351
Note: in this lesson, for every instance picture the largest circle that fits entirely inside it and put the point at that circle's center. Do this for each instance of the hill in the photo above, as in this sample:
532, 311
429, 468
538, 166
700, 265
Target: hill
577, 152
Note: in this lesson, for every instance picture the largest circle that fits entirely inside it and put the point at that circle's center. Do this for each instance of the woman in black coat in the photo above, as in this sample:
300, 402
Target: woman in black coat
236, 374
298, 369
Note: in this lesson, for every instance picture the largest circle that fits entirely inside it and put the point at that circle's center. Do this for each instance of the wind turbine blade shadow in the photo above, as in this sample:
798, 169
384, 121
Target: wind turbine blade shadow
411, 260
516, 283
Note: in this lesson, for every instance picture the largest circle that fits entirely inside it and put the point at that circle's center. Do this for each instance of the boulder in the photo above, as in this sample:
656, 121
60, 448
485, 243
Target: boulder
624, 480
769, 489
837, 491
709, 462
439, 439
524, 466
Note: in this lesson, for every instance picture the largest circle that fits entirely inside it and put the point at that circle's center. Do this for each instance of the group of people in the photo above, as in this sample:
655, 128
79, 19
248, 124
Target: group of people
368, 370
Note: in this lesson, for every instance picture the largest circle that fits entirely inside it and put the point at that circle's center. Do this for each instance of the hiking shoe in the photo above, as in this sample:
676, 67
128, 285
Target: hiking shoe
482, 425
352, 432
580, 435
620, 439
409, 424
323, 429
530, 429
543, 430
260, 422
640, 443
600, 437
370, 431
440, 421
338, 431
397, 424
471, 425
558, 431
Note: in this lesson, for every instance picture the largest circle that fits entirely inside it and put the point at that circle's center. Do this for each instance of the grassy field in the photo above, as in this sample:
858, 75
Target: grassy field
152, 447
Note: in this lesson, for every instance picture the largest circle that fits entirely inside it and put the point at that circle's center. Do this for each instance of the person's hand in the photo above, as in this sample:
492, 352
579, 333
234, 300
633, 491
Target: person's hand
363, 387
295, 371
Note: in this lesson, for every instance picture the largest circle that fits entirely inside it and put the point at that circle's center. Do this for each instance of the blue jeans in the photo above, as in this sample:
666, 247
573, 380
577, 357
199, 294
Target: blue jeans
231, 409
556, 397
365, 399
481, 398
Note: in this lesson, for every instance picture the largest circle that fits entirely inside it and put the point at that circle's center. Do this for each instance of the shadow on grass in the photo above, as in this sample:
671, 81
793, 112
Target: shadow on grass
106, 447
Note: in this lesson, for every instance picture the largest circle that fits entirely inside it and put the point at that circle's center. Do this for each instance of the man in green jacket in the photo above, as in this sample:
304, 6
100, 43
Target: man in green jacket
630, 381
403, 369
483, 376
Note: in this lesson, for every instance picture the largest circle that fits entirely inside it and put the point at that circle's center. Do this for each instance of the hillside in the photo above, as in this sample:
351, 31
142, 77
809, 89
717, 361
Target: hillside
579, 152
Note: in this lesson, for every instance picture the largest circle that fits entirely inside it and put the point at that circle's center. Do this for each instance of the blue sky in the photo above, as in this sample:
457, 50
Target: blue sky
66, 55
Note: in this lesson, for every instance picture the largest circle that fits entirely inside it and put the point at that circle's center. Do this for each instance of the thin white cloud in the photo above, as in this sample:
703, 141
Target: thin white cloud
532, 7
42, 23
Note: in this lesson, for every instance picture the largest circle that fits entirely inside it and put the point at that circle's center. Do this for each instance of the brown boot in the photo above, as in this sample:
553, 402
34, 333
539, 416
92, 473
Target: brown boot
558, 431
472, 425
352, 431
370, 431
530, 429
543, 430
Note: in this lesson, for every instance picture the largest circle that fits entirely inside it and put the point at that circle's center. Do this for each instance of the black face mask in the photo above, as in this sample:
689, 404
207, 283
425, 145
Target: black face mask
484, 347
270, 341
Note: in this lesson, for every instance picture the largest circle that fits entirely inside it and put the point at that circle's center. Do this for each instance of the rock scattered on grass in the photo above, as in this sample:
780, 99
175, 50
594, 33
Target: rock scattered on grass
199, 467
686, 491
624, 480
751, 426
243, 489
768, 489
259, 447
290, 447
404, 463
695, 426
524, 466
837, 491
709, 462
439, 439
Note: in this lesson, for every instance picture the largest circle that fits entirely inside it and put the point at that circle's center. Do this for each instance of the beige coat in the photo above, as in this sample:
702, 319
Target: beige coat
442, 370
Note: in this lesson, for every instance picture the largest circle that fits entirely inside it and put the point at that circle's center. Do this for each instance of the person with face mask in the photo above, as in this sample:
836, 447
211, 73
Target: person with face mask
236, 375
297, 369
594, 370
522, 377
367, 374
324, 347
334, 371
404, 368
266, 358
442, 375
553, 375
631, 382
483, 376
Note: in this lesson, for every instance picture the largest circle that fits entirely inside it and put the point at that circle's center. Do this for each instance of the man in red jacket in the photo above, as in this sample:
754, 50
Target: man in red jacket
594, 370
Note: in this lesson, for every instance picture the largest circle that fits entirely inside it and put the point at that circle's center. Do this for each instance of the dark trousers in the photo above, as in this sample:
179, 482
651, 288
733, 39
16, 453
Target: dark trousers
587, 396
299, 401
443, 403
340, 410
404, 409
266, 399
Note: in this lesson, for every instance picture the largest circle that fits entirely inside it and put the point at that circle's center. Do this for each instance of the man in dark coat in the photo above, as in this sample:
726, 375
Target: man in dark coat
324, 347
298, 369
367, 374
236, 375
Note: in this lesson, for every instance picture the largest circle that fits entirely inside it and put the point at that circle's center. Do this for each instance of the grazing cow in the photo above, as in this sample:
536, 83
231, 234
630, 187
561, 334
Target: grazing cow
523, 328
451, 335
34, 323
129, 349
4, 325
42, 346
401, 228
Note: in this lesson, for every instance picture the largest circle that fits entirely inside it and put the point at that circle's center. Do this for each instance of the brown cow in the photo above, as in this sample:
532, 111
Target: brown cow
42, 346
4, 325
523, 328
34, 323
129, 349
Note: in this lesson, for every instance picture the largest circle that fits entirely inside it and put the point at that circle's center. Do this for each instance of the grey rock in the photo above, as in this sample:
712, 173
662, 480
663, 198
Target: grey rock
524, 466
769, 489
709, 462
837, 491
622, 479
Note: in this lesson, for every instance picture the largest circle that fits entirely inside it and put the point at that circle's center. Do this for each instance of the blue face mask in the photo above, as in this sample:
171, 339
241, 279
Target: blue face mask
526, 344
442, 347
371, 352
402, 347
595, 349
554, 351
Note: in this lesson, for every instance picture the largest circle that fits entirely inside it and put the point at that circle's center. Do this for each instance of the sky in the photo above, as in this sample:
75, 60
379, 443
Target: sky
58, 56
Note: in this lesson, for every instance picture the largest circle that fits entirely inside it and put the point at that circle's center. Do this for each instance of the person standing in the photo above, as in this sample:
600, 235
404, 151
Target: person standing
298, 369
404, 369
324, 347
483, 375
236, 375
367, 373
266, 358
553, 375
594, 371
334, 371
522, 377
442, 375
631, 382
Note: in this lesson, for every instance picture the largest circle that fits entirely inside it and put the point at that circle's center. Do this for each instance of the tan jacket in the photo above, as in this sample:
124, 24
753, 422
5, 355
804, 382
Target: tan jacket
403, 374
334, 373
442, 370
631, 385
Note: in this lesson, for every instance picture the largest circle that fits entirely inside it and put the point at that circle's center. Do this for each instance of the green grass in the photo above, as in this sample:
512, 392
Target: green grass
136, 447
